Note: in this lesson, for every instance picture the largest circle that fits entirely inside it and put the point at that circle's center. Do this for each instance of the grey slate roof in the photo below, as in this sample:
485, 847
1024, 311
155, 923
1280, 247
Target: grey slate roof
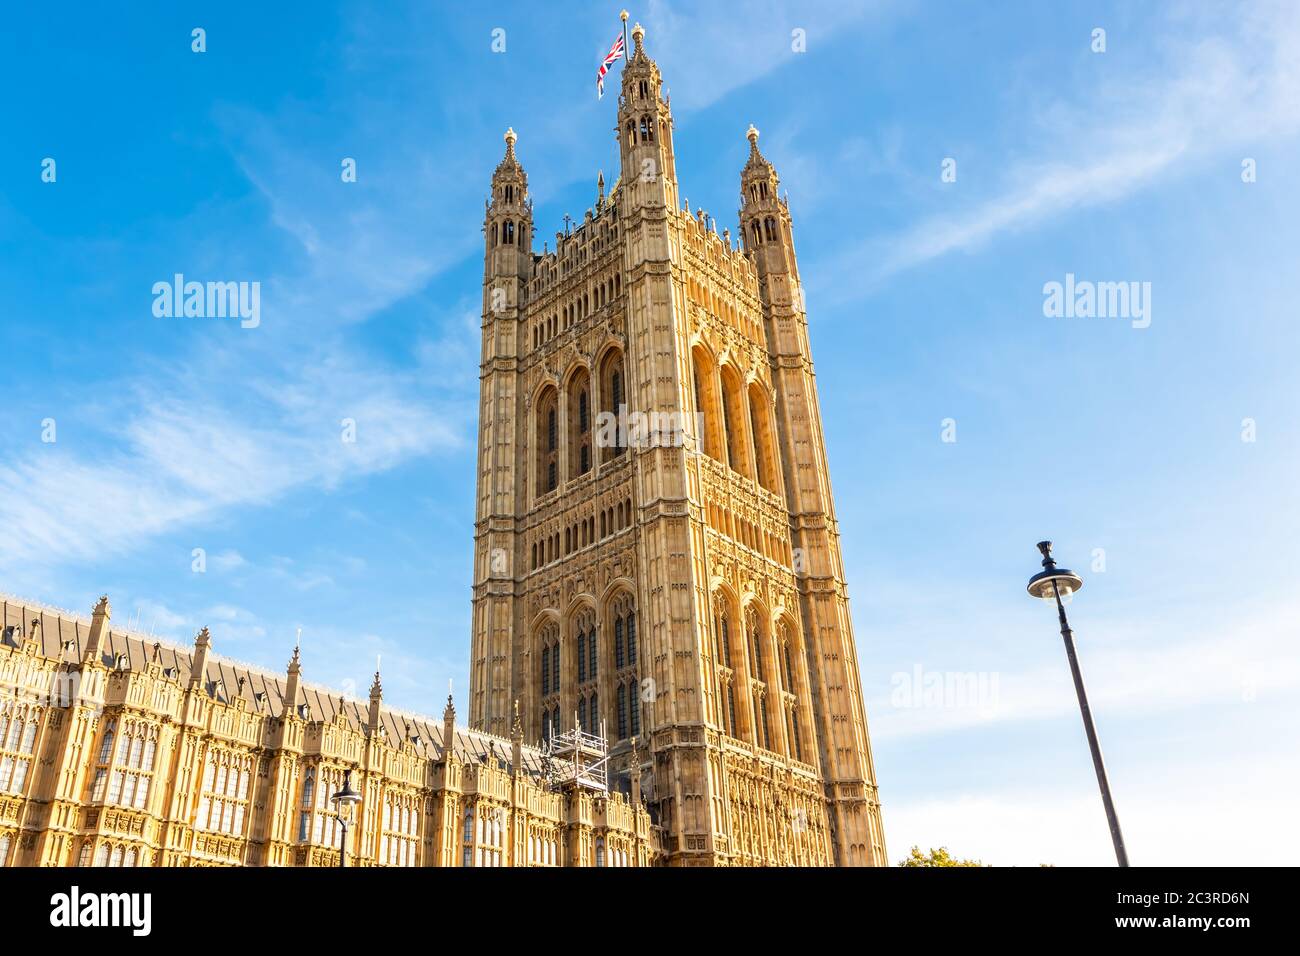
58, 626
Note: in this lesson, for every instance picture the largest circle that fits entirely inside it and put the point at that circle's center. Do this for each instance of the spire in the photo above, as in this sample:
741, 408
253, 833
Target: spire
756, 162
99, 619
634, 773
293, 671
600, 190
648, 169
199, 665
449, 727
509, 168
376, 698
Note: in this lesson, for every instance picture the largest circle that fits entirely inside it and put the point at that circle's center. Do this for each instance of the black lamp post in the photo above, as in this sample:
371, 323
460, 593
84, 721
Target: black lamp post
1050, 584
345, 802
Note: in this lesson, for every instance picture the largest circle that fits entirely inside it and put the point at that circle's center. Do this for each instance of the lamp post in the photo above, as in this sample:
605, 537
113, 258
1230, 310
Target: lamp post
1053, 583
345, 802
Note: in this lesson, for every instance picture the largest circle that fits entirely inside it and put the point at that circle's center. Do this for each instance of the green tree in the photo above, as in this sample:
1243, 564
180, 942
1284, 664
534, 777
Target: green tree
939, 857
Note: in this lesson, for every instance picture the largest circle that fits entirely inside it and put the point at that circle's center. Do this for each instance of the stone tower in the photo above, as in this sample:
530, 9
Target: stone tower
656, 552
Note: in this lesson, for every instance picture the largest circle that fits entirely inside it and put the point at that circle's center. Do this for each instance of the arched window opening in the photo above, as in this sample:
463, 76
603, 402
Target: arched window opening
706, 404
548, 678
579, 424
733, 419
547, 441
761, 432
611, 403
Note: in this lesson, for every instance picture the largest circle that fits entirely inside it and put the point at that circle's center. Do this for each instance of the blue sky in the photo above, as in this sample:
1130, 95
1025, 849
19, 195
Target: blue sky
925, 301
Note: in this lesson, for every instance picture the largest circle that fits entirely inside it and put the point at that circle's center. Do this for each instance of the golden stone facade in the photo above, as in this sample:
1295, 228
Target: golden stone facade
675, 579
657, 560
116, 750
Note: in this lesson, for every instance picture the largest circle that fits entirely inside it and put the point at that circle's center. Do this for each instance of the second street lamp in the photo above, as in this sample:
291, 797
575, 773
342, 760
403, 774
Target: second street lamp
1053, 583
345, 802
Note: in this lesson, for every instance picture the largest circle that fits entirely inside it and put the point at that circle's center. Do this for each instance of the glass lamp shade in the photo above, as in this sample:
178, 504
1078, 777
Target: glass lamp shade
346, 799
1066, 581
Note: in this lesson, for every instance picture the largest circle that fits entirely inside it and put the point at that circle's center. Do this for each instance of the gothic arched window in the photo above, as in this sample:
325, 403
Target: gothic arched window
611, 399
761, 433
733, 419
548, 440
706, 404
578, 426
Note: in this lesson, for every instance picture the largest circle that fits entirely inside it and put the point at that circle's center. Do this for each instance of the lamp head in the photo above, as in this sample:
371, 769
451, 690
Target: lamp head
346, 799
1051, 581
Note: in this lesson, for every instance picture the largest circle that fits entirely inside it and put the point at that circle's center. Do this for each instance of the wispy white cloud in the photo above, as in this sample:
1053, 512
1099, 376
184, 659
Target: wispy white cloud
1219, 84
1134, 674
182, 462
709, 50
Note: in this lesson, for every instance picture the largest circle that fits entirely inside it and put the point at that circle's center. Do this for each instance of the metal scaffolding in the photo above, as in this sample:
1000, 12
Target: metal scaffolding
576, 757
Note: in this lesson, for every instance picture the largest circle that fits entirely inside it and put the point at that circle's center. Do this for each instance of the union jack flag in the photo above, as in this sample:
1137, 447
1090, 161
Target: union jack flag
614, 53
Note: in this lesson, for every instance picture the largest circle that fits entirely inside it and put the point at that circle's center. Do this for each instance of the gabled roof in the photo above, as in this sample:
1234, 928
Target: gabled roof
222, 678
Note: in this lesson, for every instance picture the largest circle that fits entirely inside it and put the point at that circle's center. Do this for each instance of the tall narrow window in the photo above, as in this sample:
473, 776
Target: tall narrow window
731, 710
631, 638
547, 440
618, 642
634, 706
622, 714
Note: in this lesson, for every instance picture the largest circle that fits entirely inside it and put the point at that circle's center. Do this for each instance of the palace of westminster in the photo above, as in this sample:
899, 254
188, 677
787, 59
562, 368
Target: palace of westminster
663, 618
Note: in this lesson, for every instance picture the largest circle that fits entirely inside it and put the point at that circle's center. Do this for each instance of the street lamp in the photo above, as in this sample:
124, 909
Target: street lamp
345, 802
1051, 584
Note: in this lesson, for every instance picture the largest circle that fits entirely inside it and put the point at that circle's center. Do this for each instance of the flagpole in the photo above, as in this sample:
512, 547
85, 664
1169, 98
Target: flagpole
623, 16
